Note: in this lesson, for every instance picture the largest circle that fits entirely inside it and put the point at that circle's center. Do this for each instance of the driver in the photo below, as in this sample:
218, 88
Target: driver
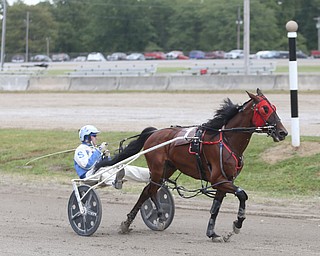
89, 153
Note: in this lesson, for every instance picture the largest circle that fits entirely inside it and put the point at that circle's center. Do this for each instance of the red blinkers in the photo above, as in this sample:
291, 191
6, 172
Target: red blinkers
262, 112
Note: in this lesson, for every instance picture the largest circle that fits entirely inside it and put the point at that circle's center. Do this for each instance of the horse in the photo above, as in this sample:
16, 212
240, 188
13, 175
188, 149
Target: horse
214, 153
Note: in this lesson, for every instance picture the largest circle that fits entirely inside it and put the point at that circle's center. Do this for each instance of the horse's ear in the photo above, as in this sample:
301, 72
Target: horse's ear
252, 96
259, 92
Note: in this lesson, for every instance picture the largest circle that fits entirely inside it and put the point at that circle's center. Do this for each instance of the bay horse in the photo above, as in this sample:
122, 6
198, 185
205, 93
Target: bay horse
216, 156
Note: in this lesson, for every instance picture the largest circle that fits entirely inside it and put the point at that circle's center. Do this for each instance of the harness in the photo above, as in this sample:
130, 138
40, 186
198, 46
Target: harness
262, 110
261, 113
196, 149
238, 159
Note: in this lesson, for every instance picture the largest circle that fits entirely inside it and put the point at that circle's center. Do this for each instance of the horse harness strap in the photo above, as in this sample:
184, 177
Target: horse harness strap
196, 149
222, 144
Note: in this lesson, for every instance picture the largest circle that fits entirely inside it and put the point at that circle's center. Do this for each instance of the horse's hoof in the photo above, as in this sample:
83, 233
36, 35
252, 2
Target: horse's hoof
227, 237
160, 225
235, 229
222, 239
217, 239
124, 228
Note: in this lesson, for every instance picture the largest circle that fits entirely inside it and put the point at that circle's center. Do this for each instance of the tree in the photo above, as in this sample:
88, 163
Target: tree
41, 26
143, 25
119, 26
73, 18
185, 26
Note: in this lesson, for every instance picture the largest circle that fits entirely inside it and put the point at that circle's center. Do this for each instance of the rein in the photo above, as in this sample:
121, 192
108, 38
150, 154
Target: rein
261, 129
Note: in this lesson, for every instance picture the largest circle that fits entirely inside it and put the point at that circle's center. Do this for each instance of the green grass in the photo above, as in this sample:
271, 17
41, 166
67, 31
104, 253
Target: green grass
294, 176
161, 70
58, 72
301, 69
279, 69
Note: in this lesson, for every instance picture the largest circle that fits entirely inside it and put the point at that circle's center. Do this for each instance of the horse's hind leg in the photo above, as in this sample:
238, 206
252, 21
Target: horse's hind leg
125, 225
243, 197
161, 218
214, 213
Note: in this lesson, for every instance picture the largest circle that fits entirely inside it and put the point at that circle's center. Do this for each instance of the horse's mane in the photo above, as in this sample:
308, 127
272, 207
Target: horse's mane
227, 111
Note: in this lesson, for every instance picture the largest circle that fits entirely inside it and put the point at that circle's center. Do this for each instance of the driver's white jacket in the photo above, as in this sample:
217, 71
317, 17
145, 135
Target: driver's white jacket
85, 158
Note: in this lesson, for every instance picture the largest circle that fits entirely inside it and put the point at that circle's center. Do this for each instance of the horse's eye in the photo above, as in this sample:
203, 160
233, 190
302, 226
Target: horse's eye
264, 110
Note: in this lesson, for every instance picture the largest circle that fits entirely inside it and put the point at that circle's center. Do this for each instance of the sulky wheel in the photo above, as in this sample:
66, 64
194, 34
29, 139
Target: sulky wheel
85, 224
149, 212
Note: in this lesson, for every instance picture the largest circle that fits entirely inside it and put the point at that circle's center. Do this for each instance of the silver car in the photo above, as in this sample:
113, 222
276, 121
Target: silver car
234, 54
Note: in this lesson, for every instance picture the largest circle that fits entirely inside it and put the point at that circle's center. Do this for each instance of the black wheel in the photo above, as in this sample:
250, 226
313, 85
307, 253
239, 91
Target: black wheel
85, 224
149, 212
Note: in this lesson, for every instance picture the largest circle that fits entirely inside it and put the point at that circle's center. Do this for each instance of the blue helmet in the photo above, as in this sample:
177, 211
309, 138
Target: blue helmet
87, 130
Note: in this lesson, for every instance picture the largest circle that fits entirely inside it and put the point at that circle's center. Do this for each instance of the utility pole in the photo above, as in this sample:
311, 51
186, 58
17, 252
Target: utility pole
239, 22
3, 37
246, 35
27, 37
48, 45
318, 27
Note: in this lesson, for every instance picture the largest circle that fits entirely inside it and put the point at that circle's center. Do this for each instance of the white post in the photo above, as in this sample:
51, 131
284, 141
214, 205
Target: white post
246, 35
292, 28
3, 37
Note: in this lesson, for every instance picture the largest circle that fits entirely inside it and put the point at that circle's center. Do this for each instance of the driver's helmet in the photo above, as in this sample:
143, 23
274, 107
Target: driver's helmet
87, 130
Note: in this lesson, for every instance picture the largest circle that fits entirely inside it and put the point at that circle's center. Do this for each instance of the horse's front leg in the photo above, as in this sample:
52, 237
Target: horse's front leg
243, 197
214, 213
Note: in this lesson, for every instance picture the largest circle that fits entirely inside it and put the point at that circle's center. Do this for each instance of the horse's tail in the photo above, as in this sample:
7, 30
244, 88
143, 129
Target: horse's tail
133, 148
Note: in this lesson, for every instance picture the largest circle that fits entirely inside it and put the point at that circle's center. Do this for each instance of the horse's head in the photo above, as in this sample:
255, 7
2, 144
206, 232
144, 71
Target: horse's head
264, 114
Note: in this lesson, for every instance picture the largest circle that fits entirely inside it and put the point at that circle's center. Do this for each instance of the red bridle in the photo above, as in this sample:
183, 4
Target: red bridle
262, 111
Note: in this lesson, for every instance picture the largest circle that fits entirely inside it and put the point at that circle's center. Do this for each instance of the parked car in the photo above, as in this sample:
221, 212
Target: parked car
136, 56
301, 55
176, 55
234, 54
267, 55
214, 55
80, 58
285, 55
196, 54
60, 57
18, 58
41, 58
96, 56
315, 54
117, 56
155, 56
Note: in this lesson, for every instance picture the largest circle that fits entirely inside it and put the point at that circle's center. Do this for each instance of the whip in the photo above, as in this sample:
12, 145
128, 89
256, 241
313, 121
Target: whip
52, 154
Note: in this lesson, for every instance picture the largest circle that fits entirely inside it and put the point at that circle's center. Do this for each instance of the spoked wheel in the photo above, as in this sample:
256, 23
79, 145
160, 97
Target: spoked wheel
149, 212
85, 224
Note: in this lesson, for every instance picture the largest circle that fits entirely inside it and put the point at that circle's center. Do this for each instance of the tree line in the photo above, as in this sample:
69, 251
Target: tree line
75, 26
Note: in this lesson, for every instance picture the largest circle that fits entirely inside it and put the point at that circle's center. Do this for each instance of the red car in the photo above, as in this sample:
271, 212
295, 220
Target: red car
155, 56
214, 55
176, 55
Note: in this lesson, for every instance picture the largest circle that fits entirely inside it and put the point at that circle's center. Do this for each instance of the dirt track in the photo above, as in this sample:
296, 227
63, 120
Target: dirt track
135, 111
34, 219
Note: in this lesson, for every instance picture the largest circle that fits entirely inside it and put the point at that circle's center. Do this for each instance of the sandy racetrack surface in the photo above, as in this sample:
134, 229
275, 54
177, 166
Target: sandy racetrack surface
34, 215
135, 111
